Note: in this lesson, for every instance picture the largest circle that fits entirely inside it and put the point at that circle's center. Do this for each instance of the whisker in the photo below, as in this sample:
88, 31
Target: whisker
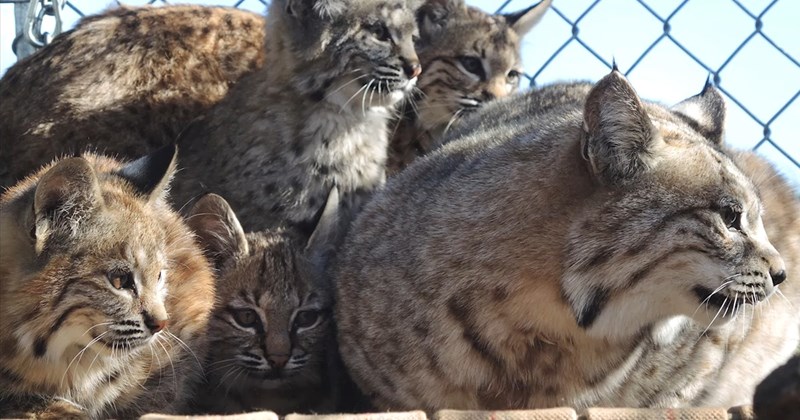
345, 85
780, 293
705, 301
452, 120
222, 361
227, 374
169, 358
80, 355
351, 98
186, 347
364, 97
724, 304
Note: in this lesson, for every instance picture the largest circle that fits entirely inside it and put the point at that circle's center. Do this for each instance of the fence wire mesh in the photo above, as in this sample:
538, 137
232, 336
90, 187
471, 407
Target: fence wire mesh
764, 110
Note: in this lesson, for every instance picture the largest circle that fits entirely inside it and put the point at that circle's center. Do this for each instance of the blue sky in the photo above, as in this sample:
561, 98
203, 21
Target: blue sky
759, 77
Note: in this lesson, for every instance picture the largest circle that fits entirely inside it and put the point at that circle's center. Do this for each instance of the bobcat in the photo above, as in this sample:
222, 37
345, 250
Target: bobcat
105, 296
272, 344
573, 246
126, 82
316, 117
470, 57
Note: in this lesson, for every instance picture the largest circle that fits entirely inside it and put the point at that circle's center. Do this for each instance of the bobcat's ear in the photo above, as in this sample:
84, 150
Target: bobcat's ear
433, 15
524, 20
325, 9
218, 230
150, 174
620, 140
704, 112
328, 232
65, 196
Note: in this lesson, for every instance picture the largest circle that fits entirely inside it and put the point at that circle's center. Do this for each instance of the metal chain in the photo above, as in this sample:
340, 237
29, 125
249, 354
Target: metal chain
33, 31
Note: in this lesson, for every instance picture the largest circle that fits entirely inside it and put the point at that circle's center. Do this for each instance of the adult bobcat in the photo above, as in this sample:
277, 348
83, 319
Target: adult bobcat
124, 82
469, 57
105, 296
574, 246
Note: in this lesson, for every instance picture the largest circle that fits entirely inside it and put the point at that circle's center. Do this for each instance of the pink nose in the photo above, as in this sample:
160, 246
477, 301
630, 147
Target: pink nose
278, 360
155, 325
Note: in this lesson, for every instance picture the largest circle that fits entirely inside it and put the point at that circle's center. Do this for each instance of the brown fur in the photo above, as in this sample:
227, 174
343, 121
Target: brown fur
66, 231
123, 82
286, 360
568, 256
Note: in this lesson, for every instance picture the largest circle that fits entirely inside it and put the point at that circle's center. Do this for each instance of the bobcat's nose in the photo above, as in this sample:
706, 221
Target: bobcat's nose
278, 360
412, 68
153, 324
778, 277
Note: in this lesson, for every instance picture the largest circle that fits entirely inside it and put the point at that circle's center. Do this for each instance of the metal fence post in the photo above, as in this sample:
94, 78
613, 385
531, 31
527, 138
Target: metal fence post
22, 48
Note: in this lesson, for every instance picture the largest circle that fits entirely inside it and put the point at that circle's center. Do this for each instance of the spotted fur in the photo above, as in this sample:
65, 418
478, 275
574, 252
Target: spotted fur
271, 333
123, 82
106, 297
574, 246
469, 57
314, 117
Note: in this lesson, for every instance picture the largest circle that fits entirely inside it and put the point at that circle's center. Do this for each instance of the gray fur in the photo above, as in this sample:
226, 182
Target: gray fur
562, 281
315, 116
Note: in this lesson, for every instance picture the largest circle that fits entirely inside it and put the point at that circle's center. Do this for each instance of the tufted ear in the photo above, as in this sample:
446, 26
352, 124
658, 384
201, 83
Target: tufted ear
150, 174
433, 16
325, 9
218, 230
620, 139
524, 20
329, 230
65, 196
704, 112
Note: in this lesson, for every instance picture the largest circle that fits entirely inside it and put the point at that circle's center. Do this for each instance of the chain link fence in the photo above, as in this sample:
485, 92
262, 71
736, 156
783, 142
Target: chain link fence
750, 49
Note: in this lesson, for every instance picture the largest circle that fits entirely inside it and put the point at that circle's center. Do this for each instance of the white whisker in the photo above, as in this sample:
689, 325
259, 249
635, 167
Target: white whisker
705, 301
80, 355
185, 346
724, 304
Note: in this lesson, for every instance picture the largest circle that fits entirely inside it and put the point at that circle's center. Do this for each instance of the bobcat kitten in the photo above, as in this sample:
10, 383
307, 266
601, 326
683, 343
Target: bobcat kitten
314, 117
470, 57
272, 344
125, 82
106, 298
599, 251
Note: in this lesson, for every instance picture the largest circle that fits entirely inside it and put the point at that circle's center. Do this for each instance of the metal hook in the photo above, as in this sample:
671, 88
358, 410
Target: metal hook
37, 10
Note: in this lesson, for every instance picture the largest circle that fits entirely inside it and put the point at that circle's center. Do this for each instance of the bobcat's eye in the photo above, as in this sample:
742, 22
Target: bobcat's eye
306, 319
731, 217
472, 65
121, 279
245, 317
513, 77
379, 31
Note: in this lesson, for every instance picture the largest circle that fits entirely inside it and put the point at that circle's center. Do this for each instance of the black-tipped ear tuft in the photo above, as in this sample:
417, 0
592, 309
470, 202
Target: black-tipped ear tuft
614, 66
620, 138
709, 85
705, 112
151, 173
330, 230
524, 20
